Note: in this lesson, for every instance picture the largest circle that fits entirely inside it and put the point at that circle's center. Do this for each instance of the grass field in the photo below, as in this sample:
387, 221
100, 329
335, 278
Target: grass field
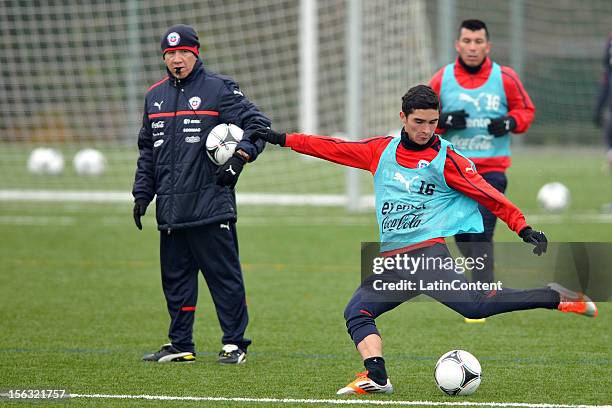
81, 301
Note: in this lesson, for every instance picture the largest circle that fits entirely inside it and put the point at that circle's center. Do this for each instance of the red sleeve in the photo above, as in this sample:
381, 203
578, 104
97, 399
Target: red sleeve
520, 106
363, 154
461, 176
436, 84
436, 81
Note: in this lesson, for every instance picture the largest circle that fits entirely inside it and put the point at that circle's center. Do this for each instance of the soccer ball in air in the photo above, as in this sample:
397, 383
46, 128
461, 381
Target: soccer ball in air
45, 160
554, 197
457, 373
89, 162
221, 142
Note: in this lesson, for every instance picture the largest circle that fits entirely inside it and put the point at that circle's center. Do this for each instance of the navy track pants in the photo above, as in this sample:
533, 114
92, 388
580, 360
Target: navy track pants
212, 249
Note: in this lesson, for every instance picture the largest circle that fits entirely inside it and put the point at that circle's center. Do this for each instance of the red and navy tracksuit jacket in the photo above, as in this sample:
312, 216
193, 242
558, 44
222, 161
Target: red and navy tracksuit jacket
173, 164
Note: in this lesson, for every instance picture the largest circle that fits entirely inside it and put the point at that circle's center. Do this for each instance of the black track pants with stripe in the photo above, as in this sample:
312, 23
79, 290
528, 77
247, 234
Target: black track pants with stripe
212, 249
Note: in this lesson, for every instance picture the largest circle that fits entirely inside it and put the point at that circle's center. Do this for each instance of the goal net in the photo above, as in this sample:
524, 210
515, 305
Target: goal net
74, 75
556, 47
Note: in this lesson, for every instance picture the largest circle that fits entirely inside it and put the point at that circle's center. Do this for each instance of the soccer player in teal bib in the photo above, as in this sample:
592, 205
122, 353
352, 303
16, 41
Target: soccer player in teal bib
482, 104
425, 191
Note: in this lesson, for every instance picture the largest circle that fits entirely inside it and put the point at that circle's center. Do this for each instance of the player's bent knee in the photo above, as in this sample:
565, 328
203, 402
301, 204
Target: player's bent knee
357, 311
348, 312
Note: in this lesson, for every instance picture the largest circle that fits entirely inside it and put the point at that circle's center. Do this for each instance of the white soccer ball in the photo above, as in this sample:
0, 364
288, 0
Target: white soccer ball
89, 162
554, 197
221, 142
458, 373
45, 160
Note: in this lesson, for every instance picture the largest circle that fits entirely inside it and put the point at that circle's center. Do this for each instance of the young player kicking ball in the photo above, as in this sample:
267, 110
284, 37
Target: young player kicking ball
425, 191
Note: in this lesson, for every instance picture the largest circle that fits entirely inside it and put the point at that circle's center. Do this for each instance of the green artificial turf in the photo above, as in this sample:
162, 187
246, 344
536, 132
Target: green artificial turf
81, 302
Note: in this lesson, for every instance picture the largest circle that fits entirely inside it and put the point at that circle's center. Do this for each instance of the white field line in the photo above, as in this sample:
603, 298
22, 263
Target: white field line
273, 199
38, 220
319, 200
604, 218
276, 220
336, 401
66, 195
245, 221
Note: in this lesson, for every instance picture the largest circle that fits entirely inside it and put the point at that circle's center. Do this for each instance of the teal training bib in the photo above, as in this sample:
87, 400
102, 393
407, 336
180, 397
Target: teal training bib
413, 205
482, 104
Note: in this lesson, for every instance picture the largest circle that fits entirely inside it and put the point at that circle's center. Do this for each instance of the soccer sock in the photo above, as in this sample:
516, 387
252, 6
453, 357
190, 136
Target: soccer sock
376, 369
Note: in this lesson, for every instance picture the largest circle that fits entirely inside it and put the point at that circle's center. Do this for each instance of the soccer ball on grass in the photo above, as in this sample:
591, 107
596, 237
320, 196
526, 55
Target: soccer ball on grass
45, 160
457, 373
553, 197
89, 162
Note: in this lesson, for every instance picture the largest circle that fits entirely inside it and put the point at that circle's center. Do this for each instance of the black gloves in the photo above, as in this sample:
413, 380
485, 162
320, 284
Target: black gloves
536, 238
453, 120
140, 208
270, 136
501, 126
456, 120
227, 175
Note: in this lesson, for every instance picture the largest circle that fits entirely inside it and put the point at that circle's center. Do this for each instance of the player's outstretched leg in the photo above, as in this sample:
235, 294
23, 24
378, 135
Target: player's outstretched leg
574, 302
475, 304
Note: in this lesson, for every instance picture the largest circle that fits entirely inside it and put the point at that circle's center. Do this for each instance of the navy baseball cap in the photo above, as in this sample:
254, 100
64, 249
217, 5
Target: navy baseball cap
180, 37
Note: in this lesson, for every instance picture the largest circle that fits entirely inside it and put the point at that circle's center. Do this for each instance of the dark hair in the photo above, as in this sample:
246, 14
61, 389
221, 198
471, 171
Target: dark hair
473, 25
419, 97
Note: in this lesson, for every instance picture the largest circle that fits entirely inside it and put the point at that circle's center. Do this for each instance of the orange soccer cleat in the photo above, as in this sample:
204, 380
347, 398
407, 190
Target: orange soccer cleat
574, 302
364, 385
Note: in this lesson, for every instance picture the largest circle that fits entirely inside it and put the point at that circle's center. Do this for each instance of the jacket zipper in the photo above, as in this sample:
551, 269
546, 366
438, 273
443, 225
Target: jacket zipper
177, 82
